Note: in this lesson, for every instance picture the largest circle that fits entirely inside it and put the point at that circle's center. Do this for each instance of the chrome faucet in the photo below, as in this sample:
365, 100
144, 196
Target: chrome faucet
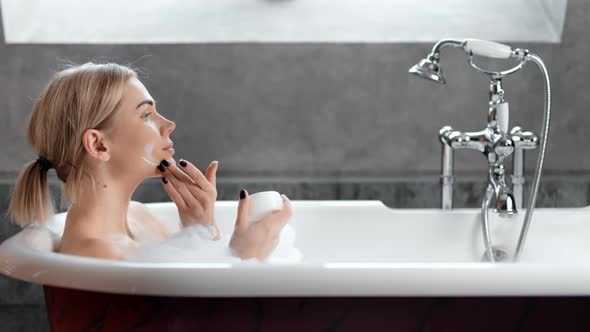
496, 142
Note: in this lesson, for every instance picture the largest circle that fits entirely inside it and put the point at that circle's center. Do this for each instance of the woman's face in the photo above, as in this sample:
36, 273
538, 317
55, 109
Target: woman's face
140, 135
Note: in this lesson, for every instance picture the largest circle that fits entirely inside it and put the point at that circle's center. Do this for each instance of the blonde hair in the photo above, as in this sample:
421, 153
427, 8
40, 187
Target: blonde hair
75, 99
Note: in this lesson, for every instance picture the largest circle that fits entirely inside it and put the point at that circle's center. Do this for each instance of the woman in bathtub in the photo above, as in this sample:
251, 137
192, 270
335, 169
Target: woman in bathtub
98, 127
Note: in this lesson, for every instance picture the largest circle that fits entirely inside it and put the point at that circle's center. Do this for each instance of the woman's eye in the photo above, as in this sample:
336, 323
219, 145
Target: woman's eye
147, 114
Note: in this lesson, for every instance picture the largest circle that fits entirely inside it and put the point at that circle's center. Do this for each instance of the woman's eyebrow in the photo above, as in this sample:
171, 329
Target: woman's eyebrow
147, 101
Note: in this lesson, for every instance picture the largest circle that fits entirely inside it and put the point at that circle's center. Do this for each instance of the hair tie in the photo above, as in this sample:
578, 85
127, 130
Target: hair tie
44, 163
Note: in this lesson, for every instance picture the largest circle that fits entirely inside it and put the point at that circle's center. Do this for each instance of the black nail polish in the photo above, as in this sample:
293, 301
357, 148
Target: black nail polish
165, 163
161, 168
164, 180
242, 194
182, 163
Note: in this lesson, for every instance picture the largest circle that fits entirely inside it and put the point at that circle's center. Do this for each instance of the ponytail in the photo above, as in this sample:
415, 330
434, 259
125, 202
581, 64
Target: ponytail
31, 200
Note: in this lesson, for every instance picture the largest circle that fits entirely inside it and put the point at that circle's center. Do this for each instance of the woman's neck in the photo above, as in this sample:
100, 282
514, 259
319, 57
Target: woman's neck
101, 211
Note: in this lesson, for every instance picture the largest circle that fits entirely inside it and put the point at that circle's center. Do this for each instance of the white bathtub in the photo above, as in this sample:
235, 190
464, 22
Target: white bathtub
350, 248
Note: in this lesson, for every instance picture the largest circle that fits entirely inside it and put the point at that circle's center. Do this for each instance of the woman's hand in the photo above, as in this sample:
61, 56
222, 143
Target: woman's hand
258, 239
193, 193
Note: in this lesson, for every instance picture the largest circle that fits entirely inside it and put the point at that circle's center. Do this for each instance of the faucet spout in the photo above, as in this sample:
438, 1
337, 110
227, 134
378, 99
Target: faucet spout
503, 202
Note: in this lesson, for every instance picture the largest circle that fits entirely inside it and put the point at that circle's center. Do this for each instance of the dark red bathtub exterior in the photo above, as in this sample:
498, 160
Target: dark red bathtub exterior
76, 310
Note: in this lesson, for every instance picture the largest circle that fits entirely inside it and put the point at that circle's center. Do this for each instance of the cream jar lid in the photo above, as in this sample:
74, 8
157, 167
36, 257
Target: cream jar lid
262, 203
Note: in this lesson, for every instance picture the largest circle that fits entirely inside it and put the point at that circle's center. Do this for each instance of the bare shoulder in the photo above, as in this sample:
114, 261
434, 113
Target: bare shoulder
138, 206
95, 248
138, 209
150, 223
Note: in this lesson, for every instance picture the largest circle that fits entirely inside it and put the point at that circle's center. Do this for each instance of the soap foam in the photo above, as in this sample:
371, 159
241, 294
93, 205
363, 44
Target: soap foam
186, 247
38, 237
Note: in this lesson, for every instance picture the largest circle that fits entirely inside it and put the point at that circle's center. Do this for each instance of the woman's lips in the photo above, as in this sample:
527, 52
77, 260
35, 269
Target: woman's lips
171, 150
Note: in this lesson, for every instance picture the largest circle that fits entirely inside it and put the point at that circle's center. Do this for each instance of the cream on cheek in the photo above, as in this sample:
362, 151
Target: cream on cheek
148, 148
149, 154
153, 126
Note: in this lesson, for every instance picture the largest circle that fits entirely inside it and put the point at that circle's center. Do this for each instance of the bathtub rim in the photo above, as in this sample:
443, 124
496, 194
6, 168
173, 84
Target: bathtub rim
573, 271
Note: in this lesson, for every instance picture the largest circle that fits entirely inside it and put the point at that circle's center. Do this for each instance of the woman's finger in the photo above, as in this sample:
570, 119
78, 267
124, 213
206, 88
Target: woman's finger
173, 193
176, 172
198, 194
187, 196
196, 175
211, 173
243, 207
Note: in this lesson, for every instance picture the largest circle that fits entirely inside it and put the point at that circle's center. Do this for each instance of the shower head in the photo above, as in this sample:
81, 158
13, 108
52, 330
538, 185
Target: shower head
429, 68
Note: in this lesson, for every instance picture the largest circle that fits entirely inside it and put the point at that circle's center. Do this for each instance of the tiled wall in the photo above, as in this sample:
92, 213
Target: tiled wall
316, 121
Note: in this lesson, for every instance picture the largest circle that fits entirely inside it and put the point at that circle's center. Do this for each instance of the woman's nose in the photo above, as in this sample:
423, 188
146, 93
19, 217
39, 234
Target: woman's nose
170, 126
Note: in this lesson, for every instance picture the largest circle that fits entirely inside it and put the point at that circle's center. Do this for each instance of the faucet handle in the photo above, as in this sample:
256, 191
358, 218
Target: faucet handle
524, 139
443, 133
516, 130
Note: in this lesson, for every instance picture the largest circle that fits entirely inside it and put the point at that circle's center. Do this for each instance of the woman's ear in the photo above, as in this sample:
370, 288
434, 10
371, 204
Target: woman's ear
95, 144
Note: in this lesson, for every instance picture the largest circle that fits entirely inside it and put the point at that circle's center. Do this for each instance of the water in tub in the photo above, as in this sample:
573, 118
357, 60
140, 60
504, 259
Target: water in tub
194, 244
191, 245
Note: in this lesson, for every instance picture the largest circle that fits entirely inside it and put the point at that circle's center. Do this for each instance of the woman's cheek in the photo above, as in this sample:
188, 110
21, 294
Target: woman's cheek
148, 156
152, 125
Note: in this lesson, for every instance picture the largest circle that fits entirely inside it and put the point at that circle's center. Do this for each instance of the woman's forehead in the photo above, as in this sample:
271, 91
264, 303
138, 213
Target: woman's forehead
135, 91
133, 95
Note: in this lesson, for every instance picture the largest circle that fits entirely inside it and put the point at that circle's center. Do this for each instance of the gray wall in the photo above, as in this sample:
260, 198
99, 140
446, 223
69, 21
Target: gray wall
319, 109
